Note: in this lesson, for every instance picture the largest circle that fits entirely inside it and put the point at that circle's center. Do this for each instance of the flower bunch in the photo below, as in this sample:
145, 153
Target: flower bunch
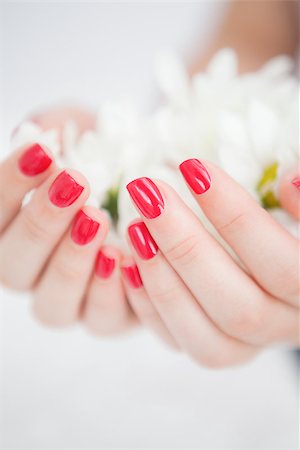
247, 124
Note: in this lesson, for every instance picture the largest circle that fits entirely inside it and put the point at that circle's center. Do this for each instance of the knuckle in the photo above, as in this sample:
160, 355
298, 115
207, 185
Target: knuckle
104, 328
213, 360
6, 280
164, 294
227, 356
7, 197
235, 222
67, 269
10, 280
247, 323
185, 251
50, 318
34, 229
288, 285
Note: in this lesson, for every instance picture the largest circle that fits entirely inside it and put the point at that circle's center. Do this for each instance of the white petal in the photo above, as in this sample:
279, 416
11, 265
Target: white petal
263, 126
280, 66
223, 66
172, 77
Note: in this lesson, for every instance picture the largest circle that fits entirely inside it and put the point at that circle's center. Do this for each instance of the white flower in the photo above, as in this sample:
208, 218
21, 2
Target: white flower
29, 132
245, 123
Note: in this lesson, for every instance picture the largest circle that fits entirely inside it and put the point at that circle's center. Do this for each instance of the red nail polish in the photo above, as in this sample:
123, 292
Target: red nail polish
196, 175
132, 275
84, 229
64, 190
34, 161
142, 240
104, 265
146, 196
296, 182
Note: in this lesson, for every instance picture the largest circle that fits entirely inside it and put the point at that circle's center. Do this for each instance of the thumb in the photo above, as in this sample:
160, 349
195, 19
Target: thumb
289, 192
58, 117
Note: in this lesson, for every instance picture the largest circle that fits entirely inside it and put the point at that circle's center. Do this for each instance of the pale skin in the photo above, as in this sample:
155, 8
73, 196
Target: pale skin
195, 296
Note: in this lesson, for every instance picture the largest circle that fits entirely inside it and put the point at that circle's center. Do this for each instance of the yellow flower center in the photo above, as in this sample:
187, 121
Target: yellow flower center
265, 187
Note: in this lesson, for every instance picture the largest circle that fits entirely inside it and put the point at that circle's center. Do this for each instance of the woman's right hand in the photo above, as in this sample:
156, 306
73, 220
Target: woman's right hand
53, 245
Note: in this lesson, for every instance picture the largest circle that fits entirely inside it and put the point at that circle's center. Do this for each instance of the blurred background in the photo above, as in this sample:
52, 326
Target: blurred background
65, 389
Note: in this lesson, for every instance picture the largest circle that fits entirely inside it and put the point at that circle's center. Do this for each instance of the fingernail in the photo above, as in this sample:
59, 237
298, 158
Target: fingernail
132, 275
296, 182
64, 190
196, 175
142, 240
84, 229
104, 265
34, 161
146, 196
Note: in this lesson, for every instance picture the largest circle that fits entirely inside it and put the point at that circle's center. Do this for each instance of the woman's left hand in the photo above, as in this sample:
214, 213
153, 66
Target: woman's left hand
219, 309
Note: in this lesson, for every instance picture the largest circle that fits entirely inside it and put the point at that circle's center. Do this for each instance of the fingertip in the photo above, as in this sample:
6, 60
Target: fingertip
79, 178
106, 262
196, 175
34, 159
127, 260
288, 192
111, 251
98, 215
296, 182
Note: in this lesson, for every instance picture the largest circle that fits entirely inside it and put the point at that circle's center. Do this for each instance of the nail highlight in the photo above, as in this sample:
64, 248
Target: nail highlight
64, 190
84, 229
132, 275
34, 161
196, 175
104, 265
146, 196
141, 239
296, 182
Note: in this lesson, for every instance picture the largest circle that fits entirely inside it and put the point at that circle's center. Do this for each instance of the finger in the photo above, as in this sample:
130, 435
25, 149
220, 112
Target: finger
228, 295
141, 304
182, 315
106, 309
59, 292
289, 192
21, 172
268, 251
26, 245
57, 118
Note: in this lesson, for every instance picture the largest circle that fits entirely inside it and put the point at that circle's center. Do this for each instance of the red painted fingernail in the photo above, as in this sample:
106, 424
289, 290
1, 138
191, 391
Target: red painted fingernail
84, 229
141, 239
132, 275
64, 190
34, 161
196, 175
104, 265
146, 196
296, 182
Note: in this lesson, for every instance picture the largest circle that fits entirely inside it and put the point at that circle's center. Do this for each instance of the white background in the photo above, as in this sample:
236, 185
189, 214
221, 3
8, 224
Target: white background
66, 390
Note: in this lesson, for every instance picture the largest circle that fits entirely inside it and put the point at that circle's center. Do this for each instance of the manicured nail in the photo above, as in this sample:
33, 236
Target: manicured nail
141, 239
64, 190
296, 182
146, 196
196, 175
34, 161
84, 229
104, 265
132, 275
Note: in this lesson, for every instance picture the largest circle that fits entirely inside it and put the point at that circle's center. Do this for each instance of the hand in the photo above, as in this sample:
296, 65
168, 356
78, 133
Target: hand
218, 310
54, 244
257, 31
